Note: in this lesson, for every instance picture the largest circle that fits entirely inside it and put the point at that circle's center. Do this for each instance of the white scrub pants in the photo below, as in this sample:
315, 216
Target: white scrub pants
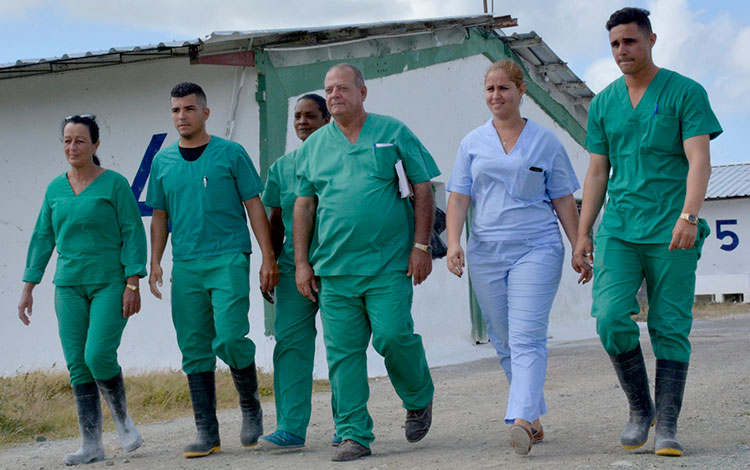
515, 283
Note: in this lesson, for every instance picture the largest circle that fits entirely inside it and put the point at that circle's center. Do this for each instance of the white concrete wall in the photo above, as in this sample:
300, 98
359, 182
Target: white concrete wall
131, 103
725, 271
441, 104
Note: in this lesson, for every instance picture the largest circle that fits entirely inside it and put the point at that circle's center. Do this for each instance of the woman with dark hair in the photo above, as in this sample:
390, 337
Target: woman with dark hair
91, 216
294, 323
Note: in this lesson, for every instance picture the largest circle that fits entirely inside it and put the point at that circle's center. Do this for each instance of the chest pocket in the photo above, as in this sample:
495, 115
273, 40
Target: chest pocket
663, 134
529, 184
384, 161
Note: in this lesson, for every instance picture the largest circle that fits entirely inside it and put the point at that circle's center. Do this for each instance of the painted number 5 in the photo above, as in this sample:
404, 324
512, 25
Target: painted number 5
722, 234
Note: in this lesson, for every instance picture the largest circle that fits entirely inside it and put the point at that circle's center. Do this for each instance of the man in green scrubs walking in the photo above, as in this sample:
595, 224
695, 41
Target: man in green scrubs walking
203, 185
648, 135
370, 242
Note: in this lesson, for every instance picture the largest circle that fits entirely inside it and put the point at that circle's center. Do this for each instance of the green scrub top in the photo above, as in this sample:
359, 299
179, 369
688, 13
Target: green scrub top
280, 192
363, 226
98, 233
644, 145
204, 198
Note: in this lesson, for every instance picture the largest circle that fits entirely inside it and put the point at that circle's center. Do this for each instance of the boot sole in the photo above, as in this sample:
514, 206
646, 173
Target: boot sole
195, 454
74, 464
635, 446
669, 452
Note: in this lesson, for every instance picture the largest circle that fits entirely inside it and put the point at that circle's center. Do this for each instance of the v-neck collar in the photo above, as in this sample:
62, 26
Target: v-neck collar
652, 91
70, 186
361, 131
499, 143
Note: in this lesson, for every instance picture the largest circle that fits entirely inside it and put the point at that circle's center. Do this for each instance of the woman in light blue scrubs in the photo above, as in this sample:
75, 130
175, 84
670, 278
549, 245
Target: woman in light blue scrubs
518, 180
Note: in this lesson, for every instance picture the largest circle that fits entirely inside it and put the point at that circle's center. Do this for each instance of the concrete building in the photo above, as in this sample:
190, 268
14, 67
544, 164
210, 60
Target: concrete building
724, 268
428, 73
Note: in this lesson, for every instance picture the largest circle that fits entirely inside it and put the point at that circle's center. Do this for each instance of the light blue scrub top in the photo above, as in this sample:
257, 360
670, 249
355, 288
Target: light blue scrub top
511, 193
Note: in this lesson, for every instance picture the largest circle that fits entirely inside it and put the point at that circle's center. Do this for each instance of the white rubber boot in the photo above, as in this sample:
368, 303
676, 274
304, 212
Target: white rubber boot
90, 423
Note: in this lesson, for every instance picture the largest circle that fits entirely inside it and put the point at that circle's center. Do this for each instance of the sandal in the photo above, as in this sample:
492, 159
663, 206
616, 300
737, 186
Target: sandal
521, 439
537, 436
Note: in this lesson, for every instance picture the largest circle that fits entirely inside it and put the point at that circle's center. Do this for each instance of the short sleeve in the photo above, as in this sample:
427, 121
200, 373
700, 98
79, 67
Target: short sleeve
418, 163
561, 179
41, 245
246, 176
461, 180
696, 115
596, 140
303, 188
272, 192
155, 197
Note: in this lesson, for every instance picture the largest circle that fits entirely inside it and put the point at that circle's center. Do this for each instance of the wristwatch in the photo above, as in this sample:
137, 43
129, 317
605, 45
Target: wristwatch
690, 218
132, 287
426, 248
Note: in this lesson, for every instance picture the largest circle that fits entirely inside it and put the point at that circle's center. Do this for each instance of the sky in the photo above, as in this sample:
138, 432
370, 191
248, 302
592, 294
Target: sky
706, 40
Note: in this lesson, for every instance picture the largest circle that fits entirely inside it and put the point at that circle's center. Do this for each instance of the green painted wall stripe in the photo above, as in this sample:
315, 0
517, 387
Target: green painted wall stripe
272, 100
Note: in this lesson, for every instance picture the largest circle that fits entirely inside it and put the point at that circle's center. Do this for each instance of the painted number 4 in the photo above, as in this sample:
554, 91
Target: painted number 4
722, 234
139, 182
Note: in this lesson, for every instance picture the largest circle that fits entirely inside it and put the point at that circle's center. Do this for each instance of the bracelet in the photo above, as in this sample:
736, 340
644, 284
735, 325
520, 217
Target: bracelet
132, 287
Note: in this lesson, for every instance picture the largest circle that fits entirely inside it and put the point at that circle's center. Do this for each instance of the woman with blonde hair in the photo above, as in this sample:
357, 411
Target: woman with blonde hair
517, 177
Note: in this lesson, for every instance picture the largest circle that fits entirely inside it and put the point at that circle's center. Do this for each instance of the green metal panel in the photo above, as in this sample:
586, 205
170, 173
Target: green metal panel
272, 101
276, 85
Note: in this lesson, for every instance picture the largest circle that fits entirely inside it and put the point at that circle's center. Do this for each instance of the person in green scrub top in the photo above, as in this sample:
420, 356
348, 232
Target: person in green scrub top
648, 135
294, 323
203, 185
371, 246
91, 216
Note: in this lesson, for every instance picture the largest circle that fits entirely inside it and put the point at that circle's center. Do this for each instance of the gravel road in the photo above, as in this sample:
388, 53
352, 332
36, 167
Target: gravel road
586, 412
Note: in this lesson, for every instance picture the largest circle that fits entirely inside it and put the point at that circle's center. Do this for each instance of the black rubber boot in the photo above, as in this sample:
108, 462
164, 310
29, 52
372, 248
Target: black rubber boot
670, 386
89, 409
113, 391
631, 371
203, 395
246, 383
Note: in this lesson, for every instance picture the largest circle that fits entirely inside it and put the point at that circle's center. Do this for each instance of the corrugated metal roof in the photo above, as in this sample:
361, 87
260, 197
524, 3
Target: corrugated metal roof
729, 181
551, 73
91, 59
223, 41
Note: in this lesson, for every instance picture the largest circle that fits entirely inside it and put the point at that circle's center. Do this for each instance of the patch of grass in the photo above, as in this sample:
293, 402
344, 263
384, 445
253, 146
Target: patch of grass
700, 311
40, 403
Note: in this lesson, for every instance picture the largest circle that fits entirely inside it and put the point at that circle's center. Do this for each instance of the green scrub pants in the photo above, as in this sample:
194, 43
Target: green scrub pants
210, 304
90, 323
352, 308
293, 356
619, 270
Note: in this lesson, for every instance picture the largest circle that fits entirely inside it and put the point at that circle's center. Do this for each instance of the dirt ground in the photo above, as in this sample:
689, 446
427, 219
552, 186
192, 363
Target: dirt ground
586, 412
